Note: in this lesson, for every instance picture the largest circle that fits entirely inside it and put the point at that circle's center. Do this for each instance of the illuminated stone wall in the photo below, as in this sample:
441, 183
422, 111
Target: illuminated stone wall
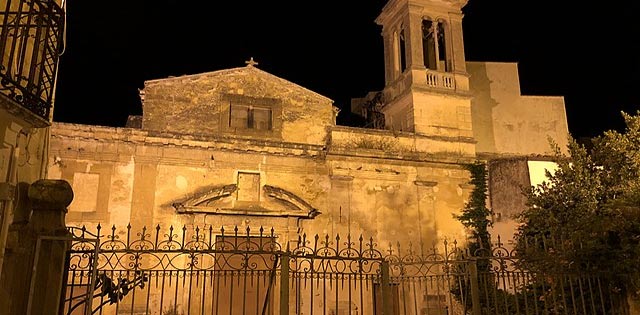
304, 175
365, 190
508, 123
506, 180
23, 150
244, 147
200, 105
315, 178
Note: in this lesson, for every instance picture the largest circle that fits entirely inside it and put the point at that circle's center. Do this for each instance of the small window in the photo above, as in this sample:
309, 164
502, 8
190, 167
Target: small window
250, 117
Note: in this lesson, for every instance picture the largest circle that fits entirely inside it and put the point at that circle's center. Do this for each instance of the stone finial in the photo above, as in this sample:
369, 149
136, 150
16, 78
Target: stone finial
50, 194
49, 200
251, 62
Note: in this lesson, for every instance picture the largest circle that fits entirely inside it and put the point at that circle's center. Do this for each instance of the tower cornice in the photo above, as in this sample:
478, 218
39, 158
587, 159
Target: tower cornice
394, 6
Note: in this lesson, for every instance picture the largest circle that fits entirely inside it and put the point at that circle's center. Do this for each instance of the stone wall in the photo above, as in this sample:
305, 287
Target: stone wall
23, 158
200, 105
146, 179
508, 123
190, 164
507, 179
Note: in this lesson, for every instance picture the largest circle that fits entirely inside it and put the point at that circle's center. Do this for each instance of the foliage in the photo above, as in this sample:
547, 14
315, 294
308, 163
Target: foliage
586, 216
475, 215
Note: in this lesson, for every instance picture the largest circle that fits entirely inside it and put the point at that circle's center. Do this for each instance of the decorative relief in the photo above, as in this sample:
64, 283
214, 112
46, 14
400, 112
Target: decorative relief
208, 198
294, 202
224, 200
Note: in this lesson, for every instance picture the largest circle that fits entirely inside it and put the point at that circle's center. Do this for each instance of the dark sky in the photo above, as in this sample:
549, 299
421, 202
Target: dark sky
590, 53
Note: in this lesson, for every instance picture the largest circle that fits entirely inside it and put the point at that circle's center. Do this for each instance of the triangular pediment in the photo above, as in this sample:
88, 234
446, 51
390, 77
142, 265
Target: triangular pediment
242, 77
223, 103
222, 200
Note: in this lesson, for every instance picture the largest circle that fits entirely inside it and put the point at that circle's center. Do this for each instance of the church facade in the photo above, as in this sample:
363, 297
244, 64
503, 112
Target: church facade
242, 147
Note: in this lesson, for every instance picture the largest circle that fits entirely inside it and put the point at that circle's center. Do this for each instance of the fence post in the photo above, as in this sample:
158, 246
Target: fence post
475, 288
387, 303
284, 284
34, 266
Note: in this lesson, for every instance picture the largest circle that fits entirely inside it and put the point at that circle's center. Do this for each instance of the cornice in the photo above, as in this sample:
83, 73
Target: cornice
171, 140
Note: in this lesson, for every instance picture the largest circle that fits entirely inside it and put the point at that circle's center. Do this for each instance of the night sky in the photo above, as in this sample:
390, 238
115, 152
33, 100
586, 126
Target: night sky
590, 54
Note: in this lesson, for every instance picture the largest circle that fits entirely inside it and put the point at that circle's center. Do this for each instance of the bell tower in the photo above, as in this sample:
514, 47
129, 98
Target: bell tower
426, 82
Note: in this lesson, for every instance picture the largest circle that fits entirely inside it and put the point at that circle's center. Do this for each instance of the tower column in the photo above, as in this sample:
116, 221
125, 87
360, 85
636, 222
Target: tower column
457, 44
416, 60
389, 55
436, 48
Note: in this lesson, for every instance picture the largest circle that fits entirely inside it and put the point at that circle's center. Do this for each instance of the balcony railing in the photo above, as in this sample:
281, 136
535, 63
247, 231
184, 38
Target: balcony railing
440, 80
30, 42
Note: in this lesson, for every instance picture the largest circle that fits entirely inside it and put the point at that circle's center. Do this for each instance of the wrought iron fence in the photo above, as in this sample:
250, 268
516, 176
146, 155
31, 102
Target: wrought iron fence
30, 41
242, 271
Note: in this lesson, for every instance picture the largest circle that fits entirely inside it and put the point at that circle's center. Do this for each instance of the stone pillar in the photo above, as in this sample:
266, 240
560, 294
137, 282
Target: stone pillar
417, 54
34, 263
389, 56
458, 61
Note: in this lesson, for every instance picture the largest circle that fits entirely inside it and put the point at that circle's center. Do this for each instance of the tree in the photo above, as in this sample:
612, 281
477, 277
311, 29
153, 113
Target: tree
586, 216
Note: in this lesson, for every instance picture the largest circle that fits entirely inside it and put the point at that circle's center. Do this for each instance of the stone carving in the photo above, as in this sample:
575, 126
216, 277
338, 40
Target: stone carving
222, 200
291, 199
206, 199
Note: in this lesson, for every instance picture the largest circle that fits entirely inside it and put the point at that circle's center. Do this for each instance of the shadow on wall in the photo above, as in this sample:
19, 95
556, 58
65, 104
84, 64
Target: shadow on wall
482, 106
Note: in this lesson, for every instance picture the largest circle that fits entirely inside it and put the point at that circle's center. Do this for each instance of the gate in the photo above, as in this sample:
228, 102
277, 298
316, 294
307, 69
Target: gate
207, 271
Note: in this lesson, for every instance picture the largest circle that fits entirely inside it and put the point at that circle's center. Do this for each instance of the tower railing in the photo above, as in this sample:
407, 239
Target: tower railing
439, 79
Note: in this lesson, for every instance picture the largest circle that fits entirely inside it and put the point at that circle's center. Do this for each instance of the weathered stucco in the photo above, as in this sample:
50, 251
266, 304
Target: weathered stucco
199, 105
23, 144
386, 194
508, 123
23, 140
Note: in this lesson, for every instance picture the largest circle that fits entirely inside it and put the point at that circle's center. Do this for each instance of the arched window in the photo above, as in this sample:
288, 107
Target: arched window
434, 46
403, 51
